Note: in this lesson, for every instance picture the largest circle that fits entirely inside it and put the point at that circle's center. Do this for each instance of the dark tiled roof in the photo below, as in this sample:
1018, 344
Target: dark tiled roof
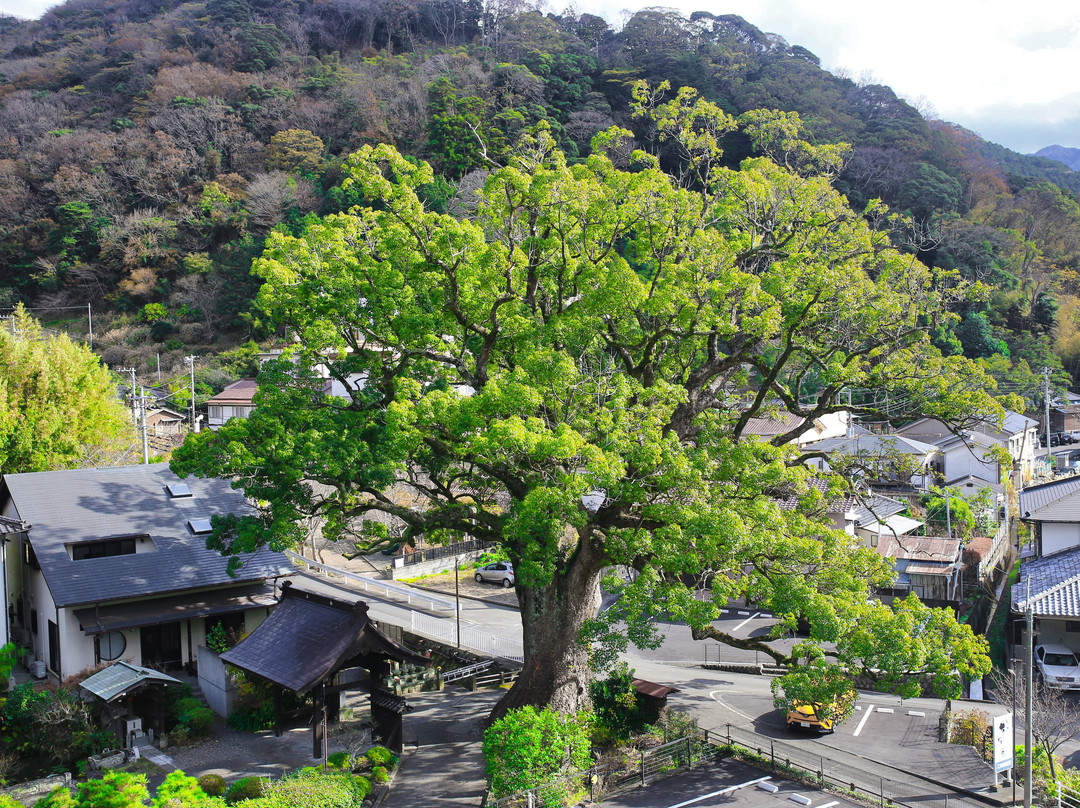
1057, 501
1055, 585
80, 505
307, 637
920, 549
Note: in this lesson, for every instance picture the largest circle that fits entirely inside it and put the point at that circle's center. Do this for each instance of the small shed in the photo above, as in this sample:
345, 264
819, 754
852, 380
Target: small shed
132, 699
316, 644
652, 696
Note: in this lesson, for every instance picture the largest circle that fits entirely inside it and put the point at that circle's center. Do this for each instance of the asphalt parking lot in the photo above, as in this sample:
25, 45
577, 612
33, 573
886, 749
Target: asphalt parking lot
728, 783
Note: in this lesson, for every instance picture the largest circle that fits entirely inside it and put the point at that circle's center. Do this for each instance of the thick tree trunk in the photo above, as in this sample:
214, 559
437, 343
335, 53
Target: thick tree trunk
556, 670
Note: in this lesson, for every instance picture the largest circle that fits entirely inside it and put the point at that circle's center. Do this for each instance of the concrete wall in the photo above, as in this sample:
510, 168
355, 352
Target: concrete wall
218, 688
430, 567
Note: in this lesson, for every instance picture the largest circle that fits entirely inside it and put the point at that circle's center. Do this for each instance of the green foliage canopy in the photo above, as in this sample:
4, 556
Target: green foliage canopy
58, 405
593, 330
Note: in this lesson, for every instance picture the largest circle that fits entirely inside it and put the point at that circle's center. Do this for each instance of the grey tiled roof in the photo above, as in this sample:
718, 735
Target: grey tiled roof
79, 505
1058, 501
12, 525
1055, 585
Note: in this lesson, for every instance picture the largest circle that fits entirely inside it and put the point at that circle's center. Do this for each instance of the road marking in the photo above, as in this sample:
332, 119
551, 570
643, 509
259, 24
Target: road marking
721, 792
866, 715
744, 622
830, 804
884, 709
917, 713
722, 703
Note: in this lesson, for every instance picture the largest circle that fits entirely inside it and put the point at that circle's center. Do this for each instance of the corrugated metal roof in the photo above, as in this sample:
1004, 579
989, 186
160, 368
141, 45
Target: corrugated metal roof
1054, 585
920, 548
240, 392
120, 677
772, 426
80, 505
1058, 501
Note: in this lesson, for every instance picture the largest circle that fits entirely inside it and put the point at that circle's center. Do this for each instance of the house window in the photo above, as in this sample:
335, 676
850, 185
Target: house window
112, 645
1072, 625
121, 545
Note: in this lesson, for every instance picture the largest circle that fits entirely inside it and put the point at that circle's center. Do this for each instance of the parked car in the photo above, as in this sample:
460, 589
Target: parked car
805, 716
1058, 666
501, 572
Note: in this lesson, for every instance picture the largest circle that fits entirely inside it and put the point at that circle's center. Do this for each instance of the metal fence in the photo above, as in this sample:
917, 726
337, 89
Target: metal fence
1067, 797
443, 551
826, 773
606, 780
385, 589
472, 639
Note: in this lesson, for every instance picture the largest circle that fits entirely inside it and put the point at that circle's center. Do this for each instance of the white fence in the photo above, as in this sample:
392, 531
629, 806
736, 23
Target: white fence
472, 639
386, 589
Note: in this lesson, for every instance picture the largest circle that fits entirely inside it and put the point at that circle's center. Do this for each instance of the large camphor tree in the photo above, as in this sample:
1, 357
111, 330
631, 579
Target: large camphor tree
570, 371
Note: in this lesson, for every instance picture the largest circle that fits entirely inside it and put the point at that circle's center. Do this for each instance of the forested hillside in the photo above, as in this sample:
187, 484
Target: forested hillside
148, 148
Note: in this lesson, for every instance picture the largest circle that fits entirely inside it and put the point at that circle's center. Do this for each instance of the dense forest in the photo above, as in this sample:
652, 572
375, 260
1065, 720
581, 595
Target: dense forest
147, 149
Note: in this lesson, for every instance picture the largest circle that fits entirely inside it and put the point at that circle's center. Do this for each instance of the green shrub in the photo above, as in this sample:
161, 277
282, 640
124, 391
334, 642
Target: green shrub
313, 788
59, 797
254, 720
178, 789
379, 774
380, 756
198, 721
339, 760
213, 785
530, 748
246, 788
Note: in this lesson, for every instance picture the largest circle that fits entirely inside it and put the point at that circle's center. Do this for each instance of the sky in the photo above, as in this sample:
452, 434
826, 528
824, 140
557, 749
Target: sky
1006, 70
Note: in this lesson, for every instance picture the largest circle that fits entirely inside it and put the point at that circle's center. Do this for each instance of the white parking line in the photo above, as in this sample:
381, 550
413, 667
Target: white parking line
866, 715
884, 709
830, 804
744, 622
722, 791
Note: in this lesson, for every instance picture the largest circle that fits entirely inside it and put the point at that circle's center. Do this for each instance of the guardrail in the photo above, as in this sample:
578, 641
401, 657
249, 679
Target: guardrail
467, 671
387, 589
438, 551
473, 639
1067, 797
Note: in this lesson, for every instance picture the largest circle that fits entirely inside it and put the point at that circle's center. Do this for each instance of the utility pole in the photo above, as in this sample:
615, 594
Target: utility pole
948, 516
134, 411
1029, 632
90, 324
191, 363
142, 413
1046, 402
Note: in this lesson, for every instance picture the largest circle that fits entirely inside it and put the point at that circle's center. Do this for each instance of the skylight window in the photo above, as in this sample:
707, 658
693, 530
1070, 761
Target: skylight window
179, 490
200, 526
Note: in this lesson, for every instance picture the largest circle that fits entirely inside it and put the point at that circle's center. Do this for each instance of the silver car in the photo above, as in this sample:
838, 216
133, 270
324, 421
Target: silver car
501, 572
1059, 666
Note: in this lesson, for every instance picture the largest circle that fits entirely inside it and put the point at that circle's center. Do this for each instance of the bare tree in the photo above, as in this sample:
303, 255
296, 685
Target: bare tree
1054, 719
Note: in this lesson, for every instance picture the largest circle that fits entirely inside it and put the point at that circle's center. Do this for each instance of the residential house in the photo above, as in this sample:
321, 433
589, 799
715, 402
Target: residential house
830, 425
1053, 511
894, 462
11, 530
114, 565
968, 452
164, 422
1019, 435
929, 566
866, 516
235, 401
1065, 413
1050, 586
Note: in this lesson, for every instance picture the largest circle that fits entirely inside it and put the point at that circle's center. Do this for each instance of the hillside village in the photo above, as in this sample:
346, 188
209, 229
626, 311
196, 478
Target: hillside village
452, 403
